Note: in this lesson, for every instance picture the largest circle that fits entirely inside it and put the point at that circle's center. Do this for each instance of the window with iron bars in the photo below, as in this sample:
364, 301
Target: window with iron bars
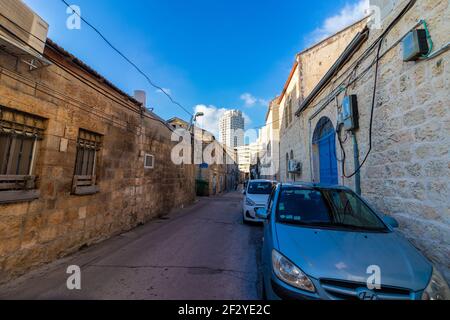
20, 133
88, 146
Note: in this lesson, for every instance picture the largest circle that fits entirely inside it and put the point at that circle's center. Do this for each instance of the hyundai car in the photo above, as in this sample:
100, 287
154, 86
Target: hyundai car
328, 243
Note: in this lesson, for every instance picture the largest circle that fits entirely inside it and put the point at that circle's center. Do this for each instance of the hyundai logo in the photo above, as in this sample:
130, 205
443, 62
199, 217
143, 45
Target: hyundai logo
366, 294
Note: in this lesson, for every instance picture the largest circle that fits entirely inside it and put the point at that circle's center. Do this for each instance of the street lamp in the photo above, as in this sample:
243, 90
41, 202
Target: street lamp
192, 132
194, 118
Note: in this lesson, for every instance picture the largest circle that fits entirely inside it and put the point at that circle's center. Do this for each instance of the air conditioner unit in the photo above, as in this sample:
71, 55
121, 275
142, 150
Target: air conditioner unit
294, 167
21, 27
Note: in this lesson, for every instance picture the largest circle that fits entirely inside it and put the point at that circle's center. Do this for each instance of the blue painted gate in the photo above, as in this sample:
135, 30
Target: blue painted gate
326, 142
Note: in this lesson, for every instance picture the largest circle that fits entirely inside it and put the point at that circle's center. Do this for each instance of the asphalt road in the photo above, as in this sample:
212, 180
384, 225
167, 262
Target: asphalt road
201, 252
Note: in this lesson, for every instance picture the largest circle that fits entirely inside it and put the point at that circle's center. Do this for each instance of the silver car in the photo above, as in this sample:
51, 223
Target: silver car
328, 243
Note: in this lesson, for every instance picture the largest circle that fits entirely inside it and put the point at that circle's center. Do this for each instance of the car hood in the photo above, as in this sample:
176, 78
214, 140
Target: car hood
260, 199
346, 255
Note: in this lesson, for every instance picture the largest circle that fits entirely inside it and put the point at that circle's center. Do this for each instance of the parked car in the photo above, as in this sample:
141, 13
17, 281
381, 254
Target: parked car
256, 195
329, 243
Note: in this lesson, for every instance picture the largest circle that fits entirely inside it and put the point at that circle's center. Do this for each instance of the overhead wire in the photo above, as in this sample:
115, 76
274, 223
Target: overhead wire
378, 42
134, 65
85, 81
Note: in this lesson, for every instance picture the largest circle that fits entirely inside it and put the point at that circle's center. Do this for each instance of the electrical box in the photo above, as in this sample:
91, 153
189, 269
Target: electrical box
349, 116
415, 45
294, 167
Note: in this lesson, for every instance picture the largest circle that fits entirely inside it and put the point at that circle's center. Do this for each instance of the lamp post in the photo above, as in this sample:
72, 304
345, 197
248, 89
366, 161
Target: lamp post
192, 132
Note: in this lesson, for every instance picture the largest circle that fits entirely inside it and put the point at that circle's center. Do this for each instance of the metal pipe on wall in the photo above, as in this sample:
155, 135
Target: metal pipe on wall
356, 164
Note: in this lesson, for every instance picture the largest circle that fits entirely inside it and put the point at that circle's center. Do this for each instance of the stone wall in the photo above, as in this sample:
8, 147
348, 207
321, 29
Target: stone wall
312, 64
71, 97
408, 172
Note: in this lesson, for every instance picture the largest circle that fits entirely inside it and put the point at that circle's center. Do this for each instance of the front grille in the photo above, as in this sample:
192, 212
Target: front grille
348, 290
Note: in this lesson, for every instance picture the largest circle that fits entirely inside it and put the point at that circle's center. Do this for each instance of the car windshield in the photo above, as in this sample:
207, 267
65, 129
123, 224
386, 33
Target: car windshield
326, 208
260, 188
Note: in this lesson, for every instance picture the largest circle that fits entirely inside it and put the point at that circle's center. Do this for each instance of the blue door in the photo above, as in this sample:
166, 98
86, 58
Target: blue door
327, 157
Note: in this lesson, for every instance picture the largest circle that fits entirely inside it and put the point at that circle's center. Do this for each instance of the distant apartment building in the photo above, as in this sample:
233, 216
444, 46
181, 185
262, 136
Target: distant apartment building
248, 156
231, 126
244, 158
269, 142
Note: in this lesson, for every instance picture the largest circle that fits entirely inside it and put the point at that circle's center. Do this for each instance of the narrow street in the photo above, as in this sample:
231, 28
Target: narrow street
201, 252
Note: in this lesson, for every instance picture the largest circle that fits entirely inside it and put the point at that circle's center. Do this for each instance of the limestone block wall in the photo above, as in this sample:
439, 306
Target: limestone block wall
59, 223
408, 172
312, 65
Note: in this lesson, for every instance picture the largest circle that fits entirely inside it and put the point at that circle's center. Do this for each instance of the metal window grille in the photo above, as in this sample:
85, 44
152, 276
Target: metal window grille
88, 145
19, 134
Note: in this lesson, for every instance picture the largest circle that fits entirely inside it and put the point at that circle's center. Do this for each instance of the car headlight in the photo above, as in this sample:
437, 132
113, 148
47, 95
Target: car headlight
288, 272
250, 202
437, 288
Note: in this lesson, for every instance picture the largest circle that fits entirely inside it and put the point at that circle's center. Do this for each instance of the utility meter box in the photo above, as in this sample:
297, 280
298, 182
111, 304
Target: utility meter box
415, 45
294, 167
349, 113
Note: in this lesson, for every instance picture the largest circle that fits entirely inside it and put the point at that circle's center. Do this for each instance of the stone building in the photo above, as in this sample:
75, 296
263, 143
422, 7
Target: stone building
80, 161
221, 175
269, 139
231, 127
407, 169
309, 67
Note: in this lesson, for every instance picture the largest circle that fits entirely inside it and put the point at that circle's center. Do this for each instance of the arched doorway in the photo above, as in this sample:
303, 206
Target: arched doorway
324, 152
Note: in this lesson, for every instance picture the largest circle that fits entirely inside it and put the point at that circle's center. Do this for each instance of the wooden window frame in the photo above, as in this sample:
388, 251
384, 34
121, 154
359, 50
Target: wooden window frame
85, 184
19, 187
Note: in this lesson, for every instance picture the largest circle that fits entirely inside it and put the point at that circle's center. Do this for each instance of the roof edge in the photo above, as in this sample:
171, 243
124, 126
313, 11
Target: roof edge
349, 51
83, 66
331, 36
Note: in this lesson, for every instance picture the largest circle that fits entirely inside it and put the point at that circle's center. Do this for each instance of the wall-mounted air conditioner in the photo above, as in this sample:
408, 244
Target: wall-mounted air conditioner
21, 27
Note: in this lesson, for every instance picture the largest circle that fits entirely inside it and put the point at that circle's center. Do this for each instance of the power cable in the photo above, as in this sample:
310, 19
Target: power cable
129, 60
81, 79
372, 111
377, 63
113, 47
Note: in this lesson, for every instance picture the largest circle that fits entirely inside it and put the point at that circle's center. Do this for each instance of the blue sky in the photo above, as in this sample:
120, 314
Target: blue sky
210, 55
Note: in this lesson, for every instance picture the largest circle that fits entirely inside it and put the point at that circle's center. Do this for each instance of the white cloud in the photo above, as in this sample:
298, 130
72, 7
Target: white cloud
250, 100
211, 118
349, 14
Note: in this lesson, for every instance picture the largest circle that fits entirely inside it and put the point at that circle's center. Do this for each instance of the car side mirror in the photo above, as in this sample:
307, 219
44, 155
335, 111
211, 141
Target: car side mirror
391, 221
261, 213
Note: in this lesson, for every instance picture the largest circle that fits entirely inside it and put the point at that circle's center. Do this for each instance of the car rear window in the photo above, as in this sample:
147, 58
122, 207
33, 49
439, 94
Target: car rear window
260, 188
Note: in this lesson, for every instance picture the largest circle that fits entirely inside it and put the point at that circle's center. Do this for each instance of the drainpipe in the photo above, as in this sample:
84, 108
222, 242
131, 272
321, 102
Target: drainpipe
310, 150
356, 162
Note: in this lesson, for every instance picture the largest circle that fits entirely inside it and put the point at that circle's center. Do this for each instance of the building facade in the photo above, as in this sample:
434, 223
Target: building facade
402, 164
232, 126
269, 140
308, 69
80, 160
214, 175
